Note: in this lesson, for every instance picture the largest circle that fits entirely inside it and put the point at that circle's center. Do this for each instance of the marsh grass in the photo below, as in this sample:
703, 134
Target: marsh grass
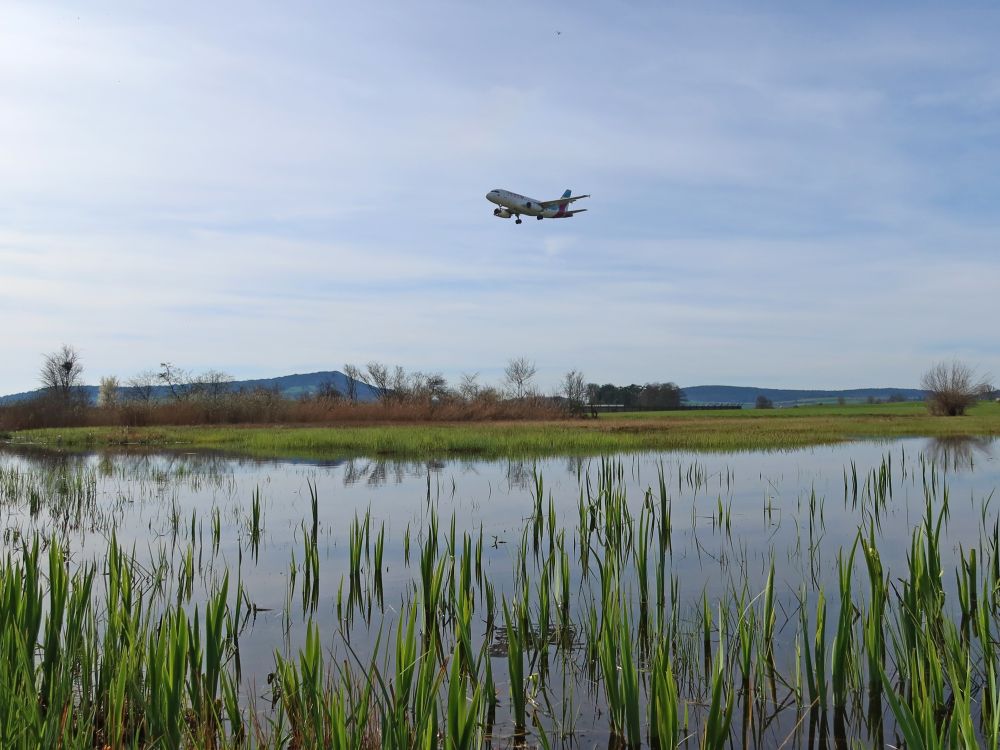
123, 652
712, 431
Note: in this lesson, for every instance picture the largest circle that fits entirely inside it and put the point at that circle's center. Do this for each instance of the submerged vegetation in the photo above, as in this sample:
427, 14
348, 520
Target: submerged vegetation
574, 624
716, 431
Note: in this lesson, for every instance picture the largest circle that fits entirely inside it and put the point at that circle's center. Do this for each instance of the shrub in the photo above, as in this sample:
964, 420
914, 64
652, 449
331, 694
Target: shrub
952, 387
262, 406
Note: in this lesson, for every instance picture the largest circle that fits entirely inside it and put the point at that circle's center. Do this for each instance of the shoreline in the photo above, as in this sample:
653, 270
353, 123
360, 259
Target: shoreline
698, 431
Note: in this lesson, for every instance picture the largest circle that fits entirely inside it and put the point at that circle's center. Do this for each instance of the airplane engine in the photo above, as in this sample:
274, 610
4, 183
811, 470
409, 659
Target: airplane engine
501, 213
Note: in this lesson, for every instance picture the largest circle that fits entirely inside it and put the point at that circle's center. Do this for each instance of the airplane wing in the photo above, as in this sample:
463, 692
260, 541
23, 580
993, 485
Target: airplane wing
560, 201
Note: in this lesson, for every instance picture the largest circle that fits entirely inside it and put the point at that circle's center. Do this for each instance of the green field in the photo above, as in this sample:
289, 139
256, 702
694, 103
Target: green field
735, 430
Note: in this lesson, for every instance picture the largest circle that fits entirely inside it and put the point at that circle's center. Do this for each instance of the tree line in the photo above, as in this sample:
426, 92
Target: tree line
174, 395
651, 396
171, 394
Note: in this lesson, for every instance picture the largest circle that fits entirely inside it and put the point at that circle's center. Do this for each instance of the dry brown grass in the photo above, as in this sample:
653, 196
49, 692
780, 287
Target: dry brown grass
265, 408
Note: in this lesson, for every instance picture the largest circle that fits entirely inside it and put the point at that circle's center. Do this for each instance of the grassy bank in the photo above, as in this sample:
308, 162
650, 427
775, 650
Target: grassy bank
717, 431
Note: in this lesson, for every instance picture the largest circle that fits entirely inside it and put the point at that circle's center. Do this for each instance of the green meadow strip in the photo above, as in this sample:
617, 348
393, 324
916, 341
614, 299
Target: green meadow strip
642, 431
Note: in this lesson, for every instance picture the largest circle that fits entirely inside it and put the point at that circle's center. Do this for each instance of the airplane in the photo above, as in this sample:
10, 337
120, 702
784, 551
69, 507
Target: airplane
511, 204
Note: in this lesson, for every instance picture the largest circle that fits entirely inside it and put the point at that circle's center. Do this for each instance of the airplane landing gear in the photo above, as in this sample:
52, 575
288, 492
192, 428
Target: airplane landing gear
518, 220
539, 218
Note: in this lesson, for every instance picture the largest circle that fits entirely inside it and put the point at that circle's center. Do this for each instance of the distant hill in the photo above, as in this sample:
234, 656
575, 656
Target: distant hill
734, 394
298, 385
289, 386
90, 391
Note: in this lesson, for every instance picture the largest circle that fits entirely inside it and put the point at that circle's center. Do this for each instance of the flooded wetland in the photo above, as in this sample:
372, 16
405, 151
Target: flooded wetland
834, 596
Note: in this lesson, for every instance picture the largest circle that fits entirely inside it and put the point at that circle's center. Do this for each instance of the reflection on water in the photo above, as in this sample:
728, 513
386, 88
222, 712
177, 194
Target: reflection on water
959, 452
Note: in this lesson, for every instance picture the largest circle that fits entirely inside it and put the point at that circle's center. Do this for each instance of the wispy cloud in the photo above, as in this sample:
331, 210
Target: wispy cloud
779, 198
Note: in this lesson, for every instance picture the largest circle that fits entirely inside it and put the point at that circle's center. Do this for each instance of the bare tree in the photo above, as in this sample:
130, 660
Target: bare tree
437, 385
519, 372
107, 392
140, 386
61, 371
354, 376
211, 384
952, 387
398, 384
378, 377
469, 388
328, 392
176, 379
423, 386
574, 388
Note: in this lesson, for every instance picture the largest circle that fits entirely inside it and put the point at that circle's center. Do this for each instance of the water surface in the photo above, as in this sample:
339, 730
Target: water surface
732, 515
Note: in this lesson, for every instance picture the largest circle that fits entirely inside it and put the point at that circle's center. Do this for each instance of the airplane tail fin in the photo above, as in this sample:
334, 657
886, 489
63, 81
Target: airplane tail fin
568, 193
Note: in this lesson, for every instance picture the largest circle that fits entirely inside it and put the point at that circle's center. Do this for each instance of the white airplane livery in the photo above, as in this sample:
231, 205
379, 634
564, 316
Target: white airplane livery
511, 204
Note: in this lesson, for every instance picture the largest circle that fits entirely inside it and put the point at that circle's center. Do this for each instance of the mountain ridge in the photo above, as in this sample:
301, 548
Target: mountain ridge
297, 385
738, 394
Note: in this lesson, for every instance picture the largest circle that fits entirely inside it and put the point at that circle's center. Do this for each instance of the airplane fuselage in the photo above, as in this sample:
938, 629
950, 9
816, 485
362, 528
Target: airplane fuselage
516, 204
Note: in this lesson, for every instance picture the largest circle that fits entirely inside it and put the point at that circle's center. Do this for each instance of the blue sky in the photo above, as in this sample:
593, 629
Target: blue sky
783, 195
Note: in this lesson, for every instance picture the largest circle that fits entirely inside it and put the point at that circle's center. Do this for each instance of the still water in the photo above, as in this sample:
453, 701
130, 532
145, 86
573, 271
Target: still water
731, 517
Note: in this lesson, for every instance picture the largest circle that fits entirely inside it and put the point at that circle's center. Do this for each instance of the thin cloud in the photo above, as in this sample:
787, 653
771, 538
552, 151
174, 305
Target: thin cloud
779, 198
